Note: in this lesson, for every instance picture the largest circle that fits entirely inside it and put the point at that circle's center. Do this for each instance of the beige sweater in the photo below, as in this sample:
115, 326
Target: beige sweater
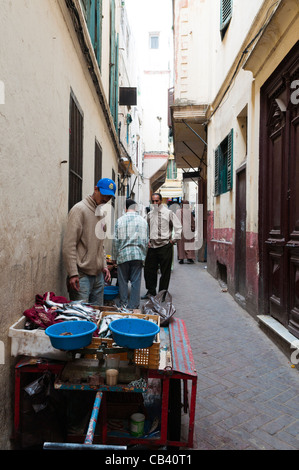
82, 249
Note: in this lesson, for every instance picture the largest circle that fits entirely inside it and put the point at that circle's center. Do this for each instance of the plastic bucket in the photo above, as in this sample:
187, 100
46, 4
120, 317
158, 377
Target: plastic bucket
70, 335
110, 292
134, 333
137, 424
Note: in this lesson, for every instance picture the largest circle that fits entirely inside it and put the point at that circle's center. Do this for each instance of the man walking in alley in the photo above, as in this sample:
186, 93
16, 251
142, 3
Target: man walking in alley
165, 231
186, 243
130, 244
83, 246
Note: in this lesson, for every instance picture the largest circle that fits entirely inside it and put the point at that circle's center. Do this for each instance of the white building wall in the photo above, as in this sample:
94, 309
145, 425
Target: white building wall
39, 66
154, 73
202, 58
155, 67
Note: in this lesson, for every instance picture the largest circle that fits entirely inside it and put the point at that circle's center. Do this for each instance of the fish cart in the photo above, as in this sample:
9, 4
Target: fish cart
156, 382
175, 372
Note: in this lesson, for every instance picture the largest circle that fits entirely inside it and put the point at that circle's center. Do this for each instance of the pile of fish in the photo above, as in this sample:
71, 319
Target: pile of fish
76, 310
104, 331
50, 309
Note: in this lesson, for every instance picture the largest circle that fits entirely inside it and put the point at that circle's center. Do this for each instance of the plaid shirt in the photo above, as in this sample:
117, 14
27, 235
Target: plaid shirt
131, 236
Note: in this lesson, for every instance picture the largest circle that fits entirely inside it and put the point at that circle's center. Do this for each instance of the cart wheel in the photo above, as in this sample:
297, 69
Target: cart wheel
174, 412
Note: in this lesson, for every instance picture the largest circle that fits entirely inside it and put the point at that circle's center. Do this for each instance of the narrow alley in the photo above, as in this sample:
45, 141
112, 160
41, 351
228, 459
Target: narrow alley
247, 392
187, 105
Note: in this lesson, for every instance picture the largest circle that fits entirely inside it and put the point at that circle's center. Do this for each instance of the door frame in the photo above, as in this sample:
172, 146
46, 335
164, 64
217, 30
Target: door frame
242, 168
273, 83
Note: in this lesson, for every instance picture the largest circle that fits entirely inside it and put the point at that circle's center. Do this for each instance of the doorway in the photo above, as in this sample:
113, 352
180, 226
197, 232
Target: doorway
240, 233
279, 194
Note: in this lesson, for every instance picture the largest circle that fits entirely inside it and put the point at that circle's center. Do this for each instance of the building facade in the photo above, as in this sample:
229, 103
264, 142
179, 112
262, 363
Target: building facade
59, 119
239, 67
154, 45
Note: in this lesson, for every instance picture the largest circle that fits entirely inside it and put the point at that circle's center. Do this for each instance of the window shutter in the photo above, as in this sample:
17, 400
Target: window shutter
98, 157
98, 39
217, 157
92, 10
226, 8
75, 152
230, 161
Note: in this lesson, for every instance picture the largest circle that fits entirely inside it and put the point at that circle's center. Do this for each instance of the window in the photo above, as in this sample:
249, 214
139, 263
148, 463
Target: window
97, 162
75, 153
171, 170
154, 40
92, 10
224, 165
226, 9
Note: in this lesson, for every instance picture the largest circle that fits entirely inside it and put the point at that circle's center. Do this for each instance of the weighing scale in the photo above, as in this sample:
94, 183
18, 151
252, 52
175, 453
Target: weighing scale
88, 373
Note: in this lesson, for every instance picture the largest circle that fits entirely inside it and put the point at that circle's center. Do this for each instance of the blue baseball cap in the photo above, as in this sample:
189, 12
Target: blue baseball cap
107, 187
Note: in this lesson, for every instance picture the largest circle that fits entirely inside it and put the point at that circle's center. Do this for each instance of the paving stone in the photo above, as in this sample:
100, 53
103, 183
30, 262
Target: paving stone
291, 439
273, 441
247, 393
277, 425
256, 422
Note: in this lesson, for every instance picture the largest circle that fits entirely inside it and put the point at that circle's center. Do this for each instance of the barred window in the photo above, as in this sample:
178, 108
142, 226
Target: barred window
98, 156
75, 152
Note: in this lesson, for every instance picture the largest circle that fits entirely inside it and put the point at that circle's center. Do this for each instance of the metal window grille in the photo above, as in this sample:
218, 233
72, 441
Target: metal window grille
98, 156
75, 153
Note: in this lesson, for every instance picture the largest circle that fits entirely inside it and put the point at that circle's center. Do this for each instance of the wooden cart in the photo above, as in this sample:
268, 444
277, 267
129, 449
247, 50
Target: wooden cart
178, 378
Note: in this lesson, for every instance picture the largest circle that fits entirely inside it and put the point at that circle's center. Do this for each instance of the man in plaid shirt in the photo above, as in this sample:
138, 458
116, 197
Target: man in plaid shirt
131, 237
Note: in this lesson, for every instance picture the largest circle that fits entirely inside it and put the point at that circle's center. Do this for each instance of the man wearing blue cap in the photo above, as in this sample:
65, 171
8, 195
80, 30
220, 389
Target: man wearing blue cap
83, 245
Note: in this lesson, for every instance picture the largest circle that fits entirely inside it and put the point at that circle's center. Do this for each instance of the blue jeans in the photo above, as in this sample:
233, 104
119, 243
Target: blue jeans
129, 271
91, 289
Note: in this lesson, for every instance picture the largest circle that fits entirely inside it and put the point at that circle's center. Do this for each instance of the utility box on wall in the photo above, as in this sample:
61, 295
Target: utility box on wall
127, 96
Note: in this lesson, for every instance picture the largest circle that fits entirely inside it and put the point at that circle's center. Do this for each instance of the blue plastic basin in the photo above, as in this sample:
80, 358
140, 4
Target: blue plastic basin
81, 334
110, 292
133, 333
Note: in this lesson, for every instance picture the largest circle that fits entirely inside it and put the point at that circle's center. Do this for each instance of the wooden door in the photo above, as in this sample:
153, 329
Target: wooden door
240, 257
279, 194
293, 221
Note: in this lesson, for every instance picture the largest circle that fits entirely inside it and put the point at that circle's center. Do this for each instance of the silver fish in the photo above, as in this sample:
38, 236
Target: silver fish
75, 314
83, 306
67, 318
50, 303
104, 330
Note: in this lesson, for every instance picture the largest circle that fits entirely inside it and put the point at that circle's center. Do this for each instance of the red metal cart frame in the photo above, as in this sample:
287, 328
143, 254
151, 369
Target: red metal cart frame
182, 369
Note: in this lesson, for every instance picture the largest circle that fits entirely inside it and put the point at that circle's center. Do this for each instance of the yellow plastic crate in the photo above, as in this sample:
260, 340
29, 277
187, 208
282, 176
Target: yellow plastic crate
149, 357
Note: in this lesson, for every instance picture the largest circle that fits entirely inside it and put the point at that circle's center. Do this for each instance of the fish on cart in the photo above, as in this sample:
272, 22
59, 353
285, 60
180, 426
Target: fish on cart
104, 331
76, 310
